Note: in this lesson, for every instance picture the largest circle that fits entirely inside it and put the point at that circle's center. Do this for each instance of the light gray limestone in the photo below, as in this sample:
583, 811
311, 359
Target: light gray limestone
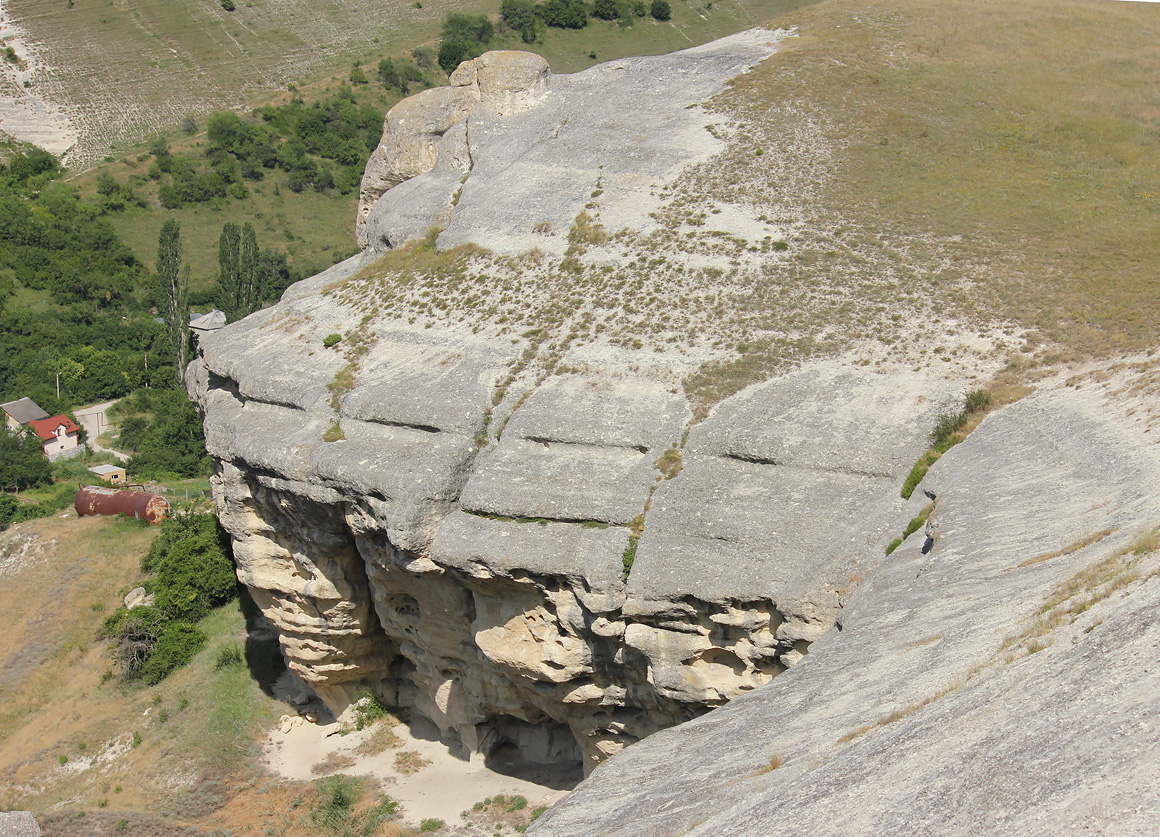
908, 716
539, 144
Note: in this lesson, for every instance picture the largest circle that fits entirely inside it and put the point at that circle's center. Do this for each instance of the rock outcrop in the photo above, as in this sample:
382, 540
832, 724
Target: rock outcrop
491, 499
997, 672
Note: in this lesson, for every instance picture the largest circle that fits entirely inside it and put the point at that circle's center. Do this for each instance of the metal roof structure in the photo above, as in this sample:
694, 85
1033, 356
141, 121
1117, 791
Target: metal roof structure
23, 410
208, 322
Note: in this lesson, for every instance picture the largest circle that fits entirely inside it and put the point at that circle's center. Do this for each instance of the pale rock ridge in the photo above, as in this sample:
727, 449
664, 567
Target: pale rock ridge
420, 516
929, 707
533, 146
416, 130
484, 587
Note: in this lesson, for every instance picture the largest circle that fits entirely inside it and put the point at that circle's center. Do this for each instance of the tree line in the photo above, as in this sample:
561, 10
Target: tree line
468, 36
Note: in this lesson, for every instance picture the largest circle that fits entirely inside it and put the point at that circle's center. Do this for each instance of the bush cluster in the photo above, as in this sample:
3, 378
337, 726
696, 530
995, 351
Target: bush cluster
468, 36
192, 573
164, 432
464, 37
324, 146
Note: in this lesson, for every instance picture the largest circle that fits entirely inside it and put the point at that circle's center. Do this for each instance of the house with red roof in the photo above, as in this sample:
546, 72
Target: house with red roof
60, 436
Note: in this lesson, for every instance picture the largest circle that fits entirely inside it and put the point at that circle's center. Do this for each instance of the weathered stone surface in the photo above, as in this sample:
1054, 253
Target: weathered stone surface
482, 547
538, 144
922, 710
19, 824
412, 133
446, 512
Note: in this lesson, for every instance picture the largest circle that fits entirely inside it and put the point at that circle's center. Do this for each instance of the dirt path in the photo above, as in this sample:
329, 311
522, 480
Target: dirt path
440, 789
95, 421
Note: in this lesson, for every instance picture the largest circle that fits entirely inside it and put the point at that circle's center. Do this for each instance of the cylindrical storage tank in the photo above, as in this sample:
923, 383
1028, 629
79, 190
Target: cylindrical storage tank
95, 499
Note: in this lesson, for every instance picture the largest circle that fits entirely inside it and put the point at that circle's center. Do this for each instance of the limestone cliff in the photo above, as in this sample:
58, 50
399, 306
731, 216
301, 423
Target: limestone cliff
499, 501
996, 674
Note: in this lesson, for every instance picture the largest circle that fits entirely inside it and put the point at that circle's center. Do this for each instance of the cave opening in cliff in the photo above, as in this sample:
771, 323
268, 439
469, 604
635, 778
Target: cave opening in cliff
545, 753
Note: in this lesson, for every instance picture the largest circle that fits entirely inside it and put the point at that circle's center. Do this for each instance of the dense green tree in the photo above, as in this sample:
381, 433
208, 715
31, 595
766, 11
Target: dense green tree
22, 460
229, 254
464, 37
173, 445
173, 284
250, 291
661, 10
564, 14
520, 16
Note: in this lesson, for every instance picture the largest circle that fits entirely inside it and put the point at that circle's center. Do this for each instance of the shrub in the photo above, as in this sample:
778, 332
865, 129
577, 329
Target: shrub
430, 824
228, 655
194, 576
228, 5
661, 10
337, 796
464, 37
605, 9
564, 14
368, 710
177, 644
331, 340
629, 555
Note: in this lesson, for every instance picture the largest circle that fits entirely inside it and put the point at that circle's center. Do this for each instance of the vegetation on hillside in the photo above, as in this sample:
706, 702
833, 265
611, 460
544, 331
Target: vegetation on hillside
192, 573
75, 319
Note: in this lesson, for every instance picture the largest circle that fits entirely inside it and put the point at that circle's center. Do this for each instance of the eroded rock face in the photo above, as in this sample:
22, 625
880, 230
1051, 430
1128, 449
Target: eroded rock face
997, 668
525, 149
486, 586
417, 131
558, 557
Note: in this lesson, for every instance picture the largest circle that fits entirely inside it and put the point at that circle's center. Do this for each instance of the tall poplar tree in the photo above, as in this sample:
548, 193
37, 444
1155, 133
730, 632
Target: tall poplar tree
174, 285
249, 275
228, 265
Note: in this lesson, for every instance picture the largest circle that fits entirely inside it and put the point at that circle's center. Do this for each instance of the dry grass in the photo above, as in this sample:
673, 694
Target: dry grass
670, 463
1024, 152
333, 763
1074, 596
59, 706
1082, 543
934, 175
773, 764
409, 761
381, 740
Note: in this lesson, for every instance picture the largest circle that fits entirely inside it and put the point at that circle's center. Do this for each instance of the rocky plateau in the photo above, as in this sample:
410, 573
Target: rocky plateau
525, 465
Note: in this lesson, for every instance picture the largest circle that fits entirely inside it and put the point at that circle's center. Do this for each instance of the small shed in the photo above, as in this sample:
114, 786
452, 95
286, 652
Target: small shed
114, 474
205, 323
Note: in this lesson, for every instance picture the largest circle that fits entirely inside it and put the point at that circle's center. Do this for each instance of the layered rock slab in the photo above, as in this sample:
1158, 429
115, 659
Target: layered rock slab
510, 551
484, 582
511, 151
984, 674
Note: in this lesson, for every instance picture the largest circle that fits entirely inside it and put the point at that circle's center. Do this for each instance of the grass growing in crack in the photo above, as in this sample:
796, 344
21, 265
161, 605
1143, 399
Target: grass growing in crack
629, 556
1083, 542
773, 764
913, 526
670, 463
946, 435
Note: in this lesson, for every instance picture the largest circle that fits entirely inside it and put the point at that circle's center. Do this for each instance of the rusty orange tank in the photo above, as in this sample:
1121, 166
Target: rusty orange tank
95, 499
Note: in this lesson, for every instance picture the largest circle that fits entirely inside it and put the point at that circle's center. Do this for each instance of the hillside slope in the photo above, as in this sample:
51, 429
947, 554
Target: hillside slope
105, 77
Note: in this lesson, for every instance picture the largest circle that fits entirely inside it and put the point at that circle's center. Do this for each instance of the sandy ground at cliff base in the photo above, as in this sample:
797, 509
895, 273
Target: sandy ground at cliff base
442, 788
